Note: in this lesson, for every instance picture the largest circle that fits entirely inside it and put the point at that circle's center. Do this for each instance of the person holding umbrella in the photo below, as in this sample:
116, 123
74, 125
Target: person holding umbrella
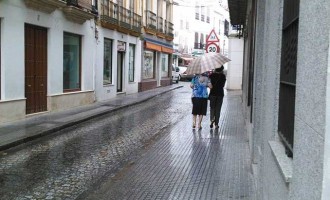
199, 97
218, 80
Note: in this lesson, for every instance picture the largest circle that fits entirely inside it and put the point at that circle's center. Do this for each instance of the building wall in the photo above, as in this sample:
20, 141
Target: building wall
104, 92
271, 182
306, 175
14, 16
311, 102
234, 69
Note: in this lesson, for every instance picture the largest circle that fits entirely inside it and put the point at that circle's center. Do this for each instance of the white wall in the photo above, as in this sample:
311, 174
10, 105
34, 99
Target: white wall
235, 66
104, 92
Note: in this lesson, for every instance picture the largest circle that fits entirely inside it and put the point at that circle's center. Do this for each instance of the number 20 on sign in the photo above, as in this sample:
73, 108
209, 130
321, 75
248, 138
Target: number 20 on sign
212, 48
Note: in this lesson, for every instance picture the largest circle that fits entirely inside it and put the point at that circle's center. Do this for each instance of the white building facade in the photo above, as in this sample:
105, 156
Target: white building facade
56, 55
286, 95
46, 59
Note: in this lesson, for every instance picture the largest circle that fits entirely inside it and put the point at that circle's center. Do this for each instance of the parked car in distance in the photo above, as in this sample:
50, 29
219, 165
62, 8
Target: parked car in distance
175, 73
183, 75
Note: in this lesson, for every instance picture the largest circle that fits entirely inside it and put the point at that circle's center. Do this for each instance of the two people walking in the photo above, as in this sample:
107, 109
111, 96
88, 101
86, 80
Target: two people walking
199, 85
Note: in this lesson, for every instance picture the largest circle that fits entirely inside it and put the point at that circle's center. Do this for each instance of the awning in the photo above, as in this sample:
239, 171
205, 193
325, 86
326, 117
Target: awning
152, 46
187, 58
167, 50
237, 11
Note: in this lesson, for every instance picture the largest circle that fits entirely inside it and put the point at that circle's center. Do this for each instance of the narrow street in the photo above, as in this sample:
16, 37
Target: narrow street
146, 151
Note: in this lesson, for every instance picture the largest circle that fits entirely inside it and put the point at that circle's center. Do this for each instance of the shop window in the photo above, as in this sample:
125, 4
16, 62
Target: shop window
131, 64
148, 68
164, 64
71, 62
107, 62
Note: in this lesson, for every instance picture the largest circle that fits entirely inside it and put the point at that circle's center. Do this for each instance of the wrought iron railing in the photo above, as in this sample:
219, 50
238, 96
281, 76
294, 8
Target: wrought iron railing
109, 11
120, 16
136, 22
125, 17
160, 24
83, 4
169, 28
151, 20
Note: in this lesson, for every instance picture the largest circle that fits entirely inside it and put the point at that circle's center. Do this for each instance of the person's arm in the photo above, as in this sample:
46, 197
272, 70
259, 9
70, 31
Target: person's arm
209, 84
192, 83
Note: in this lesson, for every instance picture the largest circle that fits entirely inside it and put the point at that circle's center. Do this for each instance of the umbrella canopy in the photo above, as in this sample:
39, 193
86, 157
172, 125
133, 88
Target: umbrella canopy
206, 62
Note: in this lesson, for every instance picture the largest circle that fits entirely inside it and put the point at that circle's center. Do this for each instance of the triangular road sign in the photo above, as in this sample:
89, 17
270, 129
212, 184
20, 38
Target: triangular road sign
212, 37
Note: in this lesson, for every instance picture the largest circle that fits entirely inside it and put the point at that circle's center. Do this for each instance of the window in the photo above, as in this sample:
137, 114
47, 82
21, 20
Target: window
202, 42
107, 62
148, 65
71, 62
203, 13
226, 28
197, 12
94, 6
287, 95
196, 46
131, 69
164, 64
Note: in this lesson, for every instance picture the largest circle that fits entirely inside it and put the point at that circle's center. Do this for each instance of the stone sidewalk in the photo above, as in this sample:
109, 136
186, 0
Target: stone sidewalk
32, 127
190, 164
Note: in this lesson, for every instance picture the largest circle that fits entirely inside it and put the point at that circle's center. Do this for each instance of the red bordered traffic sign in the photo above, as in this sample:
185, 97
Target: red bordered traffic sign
212, 48
212, 37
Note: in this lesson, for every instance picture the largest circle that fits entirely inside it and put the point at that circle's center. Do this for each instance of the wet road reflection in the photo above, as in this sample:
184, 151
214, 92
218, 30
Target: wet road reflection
65, 164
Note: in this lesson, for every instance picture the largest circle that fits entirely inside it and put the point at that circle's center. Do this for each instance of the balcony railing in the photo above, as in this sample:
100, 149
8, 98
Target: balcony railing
83, 4
125, 17
120, 18
160, 24
151, 20
136, 22
109, 12
169, 29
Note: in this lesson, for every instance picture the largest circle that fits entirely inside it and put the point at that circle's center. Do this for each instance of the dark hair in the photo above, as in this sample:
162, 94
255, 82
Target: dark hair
219, 69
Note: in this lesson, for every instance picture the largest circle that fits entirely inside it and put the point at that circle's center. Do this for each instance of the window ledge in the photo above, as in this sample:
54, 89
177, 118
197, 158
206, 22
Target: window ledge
283, 161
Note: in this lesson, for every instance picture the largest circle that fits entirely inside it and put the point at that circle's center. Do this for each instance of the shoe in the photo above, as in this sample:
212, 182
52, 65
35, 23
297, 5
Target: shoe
216, 126
193, 126
211, 125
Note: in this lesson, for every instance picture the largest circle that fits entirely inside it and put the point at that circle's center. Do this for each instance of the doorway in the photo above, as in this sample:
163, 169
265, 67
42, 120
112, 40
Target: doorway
120, 67
35, 68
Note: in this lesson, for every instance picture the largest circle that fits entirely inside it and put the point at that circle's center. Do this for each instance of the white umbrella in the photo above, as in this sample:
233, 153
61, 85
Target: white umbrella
206, 62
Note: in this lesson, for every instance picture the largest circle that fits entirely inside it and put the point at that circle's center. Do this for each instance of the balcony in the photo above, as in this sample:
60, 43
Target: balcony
119, 18
169, 30
80, 10
151, 23
47, 6
161, 27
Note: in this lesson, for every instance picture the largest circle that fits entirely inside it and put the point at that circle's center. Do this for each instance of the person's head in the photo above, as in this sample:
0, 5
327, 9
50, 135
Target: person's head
218, 70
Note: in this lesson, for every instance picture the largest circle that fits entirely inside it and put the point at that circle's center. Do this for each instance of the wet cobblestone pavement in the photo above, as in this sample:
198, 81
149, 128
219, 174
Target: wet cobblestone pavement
176, 163
188, 164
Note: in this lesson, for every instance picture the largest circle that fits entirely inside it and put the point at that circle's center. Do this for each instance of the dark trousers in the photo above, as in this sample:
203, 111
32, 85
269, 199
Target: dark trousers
215, 108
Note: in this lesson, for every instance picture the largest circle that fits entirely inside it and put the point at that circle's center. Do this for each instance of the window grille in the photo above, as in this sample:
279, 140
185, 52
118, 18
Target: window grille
288, 73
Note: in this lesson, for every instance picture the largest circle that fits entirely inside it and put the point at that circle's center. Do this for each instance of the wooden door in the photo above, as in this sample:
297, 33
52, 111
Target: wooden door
35, 69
